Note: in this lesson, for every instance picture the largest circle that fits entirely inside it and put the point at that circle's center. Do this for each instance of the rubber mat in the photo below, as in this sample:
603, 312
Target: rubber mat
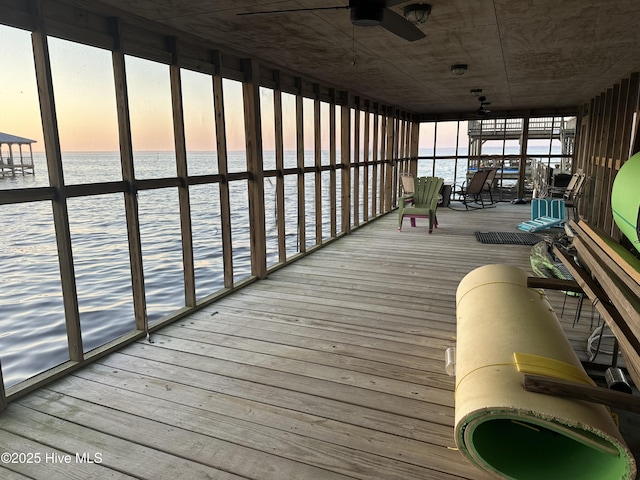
507, 238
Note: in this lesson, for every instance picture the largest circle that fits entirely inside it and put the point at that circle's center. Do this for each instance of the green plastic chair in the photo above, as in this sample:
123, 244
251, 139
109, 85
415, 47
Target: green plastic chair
423, 202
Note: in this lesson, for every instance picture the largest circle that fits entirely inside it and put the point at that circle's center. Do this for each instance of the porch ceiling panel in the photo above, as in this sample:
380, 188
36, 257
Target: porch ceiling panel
534, 54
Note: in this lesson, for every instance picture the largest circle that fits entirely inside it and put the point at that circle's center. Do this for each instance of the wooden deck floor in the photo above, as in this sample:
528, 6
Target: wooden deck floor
332, 368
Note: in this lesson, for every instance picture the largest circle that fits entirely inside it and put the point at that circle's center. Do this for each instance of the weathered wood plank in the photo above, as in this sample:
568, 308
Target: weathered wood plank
139, 461
326, 358
405, 341
7, 474
193, 434
320, 339
154, 380
304, 382
336, 375
52, 464
306, 446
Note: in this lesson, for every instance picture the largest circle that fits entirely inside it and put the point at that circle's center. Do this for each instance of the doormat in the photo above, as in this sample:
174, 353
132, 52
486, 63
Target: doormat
507, 238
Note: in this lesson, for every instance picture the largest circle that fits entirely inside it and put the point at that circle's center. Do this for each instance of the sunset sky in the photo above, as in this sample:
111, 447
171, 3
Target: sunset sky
86, 107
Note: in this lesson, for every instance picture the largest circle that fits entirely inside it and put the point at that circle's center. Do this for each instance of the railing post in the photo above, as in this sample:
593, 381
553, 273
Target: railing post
366, 160
253, 137
523, 155
181, 169
384, 208
128, 175
317, 157
375, 157
302, 223
389, 153
279, 146
345, 153
56, 180
3, 396
414, 149
332, 160
223, 169
355, 198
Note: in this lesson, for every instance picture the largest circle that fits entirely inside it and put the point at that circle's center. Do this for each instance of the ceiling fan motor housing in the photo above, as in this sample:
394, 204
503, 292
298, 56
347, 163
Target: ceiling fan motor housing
366, 13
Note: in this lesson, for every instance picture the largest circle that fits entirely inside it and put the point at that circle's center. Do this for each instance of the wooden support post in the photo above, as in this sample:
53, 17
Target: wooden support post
355, 199
592, 161
455, 164
128, 175
623, 150
523, 155
390, 160
406, 148
223, 169
414, 149
3, 395
279, 146
632, 106
635, 97
365, 158
375, 159
395, 155
404, 139
384, 167
181, 169
582, 140
56, 180
345, 153
409, 151
255, 167
332, 161
615, 134
317, 156
302, 217
601, 155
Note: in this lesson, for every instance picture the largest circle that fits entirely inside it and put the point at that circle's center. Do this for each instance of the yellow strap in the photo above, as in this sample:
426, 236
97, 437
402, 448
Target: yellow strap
549, 367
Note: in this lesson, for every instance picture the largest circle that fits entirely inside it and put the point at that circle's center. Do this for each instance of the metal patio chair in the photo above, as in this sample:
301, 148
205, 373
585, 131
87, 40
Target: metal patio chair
472, 190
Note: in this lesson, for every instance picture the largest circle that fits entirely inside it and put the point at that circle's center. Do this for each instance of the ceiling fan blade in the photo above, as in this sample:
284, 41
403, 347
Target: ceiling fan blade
399, 25
291, 10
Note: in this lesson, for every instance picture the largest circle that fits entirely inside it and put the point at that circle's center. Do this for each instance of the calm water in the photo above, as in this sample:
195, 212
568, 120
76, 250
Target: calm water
32, 325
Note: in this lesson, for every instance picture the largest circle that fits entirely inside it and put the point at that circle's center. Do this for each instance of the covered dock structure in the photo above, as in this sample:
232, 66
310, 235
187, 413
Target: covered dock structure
12, 161
320, 352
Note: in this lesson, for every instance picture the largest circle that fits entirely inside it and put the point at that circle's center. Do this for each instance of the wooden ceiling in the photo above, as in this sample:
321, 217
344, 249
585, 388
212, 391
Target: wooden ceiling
534, 54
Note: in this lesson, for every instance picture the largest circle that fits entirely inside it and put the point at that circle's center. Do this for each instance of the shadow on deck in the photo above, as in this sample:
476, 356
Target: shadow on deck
332, 368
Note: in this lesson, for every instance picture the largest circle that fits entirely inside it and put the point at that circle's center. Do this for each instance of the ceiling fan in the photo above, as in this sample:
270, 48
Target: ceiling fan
369, 13
483, 110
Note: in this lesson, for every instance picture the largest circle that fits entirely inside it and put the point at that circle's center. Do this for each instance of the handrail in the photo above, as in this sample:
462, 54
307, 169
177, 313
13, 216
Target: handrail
550, 125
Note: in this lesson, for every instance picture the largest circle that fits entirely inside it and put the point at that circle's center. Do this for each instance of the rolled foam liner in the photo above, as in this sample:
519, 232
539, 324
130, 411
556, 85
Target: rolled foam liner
501, 427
